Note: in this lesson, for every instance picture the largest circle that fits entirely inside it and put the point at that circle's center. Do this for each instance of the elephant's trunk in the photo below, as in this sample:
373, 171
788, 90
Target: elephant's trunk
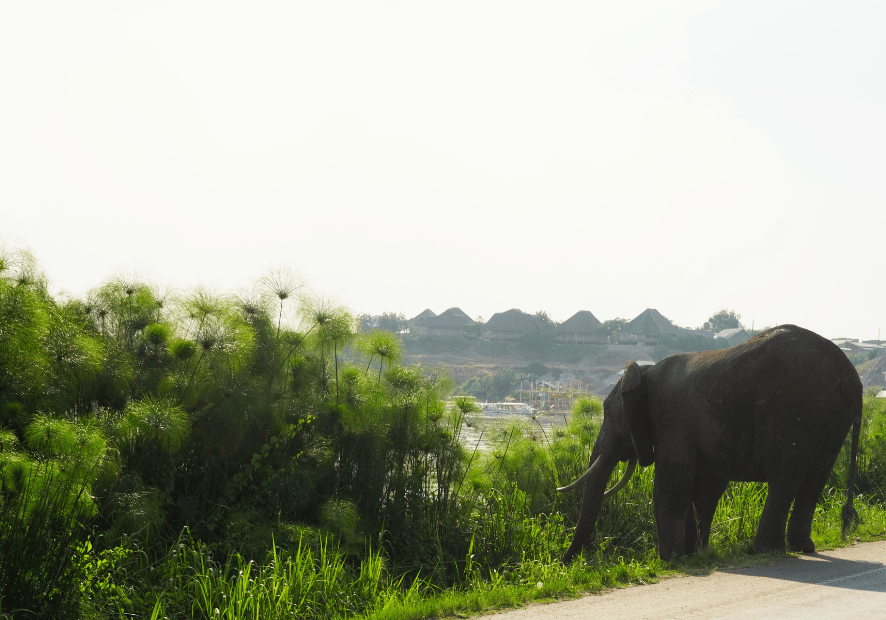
597, 476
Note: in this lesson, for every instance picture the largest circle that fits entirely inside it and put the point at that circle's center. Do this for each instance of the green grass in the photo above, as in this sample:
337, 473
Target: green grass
319, 580
190, 584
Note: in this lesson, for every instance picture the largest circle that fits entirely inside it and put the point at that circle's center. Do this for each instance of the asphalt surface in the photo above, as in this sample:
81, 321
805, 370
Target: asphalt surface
843, 583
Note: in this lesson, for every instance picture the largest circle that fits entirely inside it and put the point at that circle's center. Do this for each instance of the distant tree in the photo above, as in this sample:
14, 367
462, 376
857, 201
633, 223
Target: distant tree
724, 319
504, 381
542, 339
544, 322
475, 329
477, 387
367, 322
392, 322
612, 326
491, 387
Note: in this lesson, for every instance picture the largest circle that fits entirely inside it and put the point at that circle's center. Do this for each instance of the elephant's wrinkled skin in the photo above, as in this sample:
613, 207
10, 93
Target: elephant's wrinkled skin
774, 409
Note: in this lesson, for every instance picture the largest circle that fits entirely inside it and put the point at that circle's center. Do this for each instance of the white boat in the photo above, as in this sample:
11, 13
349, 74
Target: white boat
507, 408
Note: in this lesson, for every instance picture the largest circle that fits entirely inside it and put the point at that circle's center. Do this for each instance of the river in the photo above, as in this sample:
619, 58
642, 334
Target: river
479, 430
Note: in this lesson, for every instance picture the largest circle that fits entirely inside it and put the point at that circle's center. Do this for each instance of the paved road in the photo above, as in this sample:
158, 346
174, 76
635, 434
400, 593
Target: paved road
844, 583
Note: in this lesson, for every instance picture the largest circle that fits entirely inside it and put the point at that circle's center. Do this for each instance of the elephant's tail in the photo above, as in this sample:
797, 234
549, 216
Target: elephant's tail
850, 515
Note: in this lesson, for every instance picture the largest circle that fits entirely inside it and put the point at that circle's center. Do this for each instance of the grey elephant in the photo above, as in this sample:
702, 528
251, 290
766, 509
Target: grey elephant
776, 409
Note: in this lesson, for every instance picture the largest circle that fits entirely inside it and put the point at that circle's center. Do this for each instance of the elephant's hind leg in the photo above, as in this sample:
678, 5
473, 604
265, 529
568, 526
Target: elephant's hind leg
800, 525
770, 533
707, 494
691, 537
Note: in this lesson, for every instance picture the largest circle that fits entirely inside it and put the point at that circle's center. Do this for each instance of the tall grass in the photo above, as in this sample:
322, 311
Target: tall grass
738, 513
310, 582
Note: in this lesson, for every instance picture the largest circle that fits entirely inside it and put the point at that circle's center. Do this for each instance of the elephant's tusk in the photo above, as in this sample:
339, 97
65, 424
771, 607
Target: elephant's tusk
596, 464
625, 478
632, 464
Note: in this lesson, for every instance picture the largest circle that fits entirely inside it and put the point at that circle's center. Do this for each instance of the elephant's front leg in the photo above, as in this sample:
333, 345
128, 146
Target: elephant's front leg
672, 495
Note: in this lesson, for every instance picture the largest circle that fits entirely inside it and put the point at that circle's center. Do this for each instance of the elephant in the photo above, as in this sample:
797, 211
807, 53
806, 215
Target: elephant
776, 408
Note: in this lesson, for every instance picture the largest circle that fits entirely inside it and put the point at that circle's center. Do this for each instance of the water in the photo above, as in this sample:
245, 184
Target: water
479, 428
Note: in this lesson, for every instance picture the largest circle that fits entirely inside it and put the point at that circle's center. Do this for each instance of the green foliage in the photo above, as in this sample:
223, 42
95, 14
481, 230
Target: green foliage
871, 477
612, 327
313, 580
495, 387
380, 346
45, 498
504, 381
153, 420
587, 406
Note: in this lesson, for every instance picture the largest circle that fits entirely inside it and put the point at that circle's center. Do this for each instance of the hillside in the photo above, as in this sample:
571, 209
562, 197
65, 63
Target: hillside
872, 373
593, 365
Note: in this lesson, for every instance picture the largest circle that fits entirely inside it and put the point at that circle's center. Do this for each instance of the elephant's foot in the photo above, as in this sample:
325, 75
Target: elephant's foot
804, 545
671, 555
769, 546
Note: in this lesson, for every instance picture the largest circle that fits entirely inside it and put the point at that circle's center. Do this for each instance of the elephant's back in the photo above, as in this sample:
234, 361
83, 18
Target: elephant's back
786, 354
787, 382
808, 359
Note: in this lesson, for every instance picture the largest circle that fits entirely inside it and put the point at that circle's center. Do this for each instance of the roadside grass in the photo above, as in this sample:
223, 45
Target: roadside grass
320, 581
192, 585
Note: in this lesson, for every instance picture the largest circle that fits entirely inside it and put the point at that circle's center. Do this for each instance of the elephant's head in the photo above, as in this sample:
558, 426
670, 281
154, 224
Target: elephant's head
626, 435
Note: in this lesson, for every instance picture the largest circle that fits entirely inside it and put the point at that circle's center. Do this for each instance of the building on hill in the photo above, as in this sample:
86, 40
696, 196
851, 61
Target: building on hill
581, 328
418, 324
852, 346
512, 324
646, 328
733, 336
452, 323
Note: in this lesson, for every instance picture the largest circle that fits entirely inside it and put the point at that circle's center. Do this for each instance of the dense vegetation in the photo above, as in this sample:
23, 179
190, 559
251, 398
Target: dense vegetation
200, 455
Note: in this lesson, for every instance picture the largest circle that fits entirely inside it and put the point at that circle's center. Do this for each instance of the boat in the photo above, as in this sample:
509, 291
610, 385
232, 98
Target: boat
507, 408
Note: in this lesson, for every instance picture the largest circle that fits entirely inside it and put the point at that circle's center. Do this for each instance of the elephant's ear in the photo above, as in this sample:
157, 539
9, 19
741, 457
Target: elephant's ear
635, 402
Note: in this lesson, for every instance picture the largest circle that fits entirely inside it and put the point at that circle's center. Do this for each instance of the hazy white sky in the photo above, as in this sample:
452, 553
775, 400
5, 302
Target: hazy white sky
558, 156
